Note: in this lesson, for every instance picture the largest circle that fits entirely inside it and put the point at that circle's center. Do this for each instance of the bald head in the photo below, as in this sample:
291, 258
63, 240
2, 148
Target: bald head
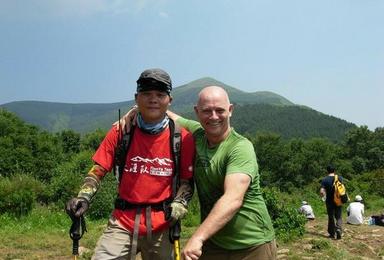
213, 93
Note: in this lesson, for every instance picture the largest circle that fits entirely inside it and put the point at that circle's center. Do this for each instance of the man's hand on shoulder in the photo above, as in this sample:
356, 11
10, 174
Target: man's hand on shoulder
128, 120
172, 115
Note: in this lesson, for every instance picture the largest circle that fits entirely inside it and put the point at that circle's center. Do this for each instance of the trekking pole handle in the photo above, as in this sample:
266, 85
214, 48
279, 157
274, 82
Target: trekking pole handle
174, 232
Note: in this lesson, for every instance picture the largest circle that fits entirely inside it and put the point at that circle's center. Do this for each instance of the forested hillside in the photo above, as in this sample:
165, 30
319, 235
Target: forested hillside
55, 117
55, 162
255, 112
286, 121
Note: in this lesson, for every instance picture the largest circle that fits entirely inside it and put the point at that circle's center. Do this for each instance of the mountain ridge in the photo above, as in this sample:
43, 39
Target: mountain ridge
267, 108
236, 96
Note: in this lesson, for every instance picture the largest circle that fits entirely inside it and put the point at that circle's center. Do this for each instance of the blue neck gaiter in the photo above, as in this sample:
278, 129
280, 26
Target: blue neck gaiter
152, 128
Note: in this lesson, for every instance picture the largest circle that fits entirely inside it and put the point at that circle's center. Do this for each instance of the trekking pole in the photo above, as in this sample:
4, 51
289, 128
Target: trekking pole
76, 232
175, 239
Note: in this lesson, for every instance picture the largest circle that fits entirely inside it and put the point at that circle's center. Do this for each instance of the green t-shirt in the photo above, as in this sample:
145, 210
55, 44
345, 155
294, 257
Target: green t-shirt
252, 224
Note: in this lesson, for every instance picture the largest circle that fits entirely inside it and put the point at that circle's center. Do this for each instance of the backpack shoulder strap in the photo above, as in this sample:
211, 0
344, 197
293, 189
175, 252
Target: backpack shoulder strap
175, 139
121, 152
336, 179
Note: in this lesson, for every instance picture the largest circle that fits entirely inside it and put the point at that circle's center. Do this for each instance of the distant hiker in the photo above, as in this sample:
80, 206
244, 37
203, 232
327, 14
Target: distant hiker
146, 176
327, 190
307, 210
235, 220
355, 211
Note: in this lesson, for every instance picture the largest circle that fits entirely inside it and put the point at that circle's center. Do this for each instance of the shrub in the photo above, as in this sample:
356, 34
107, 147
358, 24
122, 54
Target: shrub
369, 185
18, 194
378, 182
103, 203
288, 223
273, 205
91, 141
68, 178
192, 219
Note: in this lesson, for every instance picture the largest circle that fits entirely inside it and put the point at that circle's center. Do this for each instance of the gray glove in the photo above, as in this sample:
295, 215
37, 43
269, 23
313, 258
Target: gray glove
76, 207
178, 211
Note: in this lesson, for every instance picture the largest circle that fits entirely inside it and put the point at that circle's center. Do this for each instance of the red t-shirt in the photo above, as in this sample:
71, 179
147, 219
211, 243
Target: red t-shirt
148, 172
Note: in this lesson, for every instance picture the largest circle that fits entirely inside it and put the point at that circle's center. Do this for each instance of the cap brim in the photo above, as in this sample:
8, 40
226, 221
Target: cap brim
149, 88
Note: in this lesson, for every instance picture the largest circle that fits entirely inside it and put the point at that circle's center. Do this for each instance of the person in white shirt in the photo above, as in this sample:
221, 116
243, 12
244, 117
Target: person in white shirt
307, 210
355, 211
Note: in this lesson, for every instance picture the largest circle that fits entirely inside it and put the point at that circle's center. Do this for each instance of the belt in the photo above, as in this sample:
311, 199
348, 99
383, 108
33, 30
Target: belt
125, 205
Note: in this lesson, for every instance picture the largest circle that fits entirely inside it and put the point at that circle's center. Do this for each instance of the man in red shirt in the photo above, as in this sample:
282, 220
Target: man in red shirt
139, 223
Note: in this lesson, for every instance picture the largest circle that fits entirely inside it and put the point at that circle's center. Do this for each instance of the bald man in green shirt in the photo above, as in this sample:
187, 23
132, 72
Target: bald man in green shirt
235, 221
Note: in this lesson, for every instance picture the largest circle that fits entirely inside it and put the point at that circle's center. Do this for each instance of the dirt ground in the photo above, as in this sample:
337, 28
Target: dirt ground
358, 242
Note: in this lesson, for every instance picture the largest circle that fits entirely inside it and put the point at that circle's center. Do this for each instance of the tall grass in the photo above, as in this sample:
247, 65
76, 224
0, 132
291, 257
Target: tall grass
43, 234
41, 219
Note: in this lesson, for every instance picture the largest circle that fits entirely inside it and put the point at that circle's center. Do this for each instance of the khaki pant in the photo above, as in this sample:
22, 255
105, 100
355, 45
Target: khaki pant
267, 251
115, 243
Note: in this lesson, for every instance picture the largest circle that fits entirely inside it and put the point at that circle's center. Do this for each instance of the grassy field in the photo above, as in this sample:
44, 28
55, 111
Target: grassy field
44, 234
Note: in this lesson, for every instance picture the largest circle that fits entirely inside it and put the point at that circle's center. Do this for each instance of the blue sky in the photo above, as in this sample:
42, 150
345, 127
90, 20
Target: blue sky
328, 55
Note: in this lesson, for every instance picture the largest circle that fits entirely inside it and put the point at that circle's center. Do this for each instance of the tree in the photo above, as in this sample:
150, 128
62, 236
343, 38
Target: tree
91, 141
366, 148
70, 141
26, 150
270, 156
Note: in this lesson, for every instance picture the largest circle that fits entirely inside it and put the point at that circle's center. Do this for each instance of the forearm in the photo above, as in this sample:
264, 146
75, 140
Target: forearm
185, 192
223, 211
235, 187
92, 182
